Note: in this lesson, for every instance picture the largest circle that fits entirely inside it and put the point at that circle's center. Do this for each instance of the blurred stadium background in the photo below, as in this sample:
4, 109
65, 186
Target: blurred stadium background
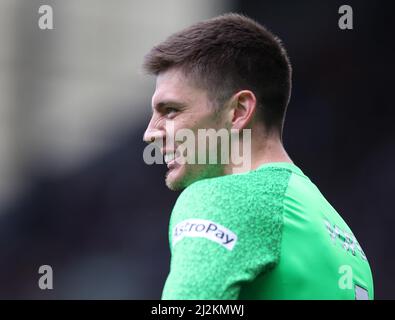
74, 190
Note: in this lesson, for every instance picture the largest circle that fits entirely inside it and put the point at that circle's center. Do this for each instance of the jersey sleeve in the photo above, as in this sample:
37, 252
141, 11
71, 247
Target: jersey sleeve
222, 235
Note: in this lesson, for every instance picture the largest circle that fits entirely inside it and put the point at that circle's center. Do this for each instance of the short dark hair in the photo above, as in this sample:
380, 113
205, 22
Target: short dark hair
226, 54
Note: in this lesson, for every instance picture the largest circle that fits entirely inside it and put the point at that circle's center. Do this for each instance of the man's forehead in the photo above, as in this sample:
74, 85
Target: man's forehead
168, 91
172, 85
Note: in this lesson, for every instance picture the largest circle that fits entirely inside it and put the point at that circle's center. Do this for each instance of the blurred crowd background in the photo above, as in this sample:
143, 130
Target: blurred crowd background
75, 193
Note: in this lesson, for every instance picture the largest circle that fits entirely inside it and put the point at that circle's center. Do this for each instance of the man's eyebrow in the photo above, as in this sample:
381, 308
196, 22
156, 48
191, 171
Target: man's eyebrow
161, 105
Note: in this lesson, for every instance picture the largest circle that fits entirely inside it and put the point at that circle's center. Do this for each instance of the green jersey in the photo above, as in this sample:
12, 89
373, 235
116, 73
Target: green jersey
265, 234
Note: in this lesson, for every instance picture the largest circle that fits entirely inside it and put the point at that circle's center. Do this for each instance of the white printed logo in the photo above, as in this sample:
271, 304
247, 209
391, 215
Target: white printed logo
361, 293
204, 229
348, 240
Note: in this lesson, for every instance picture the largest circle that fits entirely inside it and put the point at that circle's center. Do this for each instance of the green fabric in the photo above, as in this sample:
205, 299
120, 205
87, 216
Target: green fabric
265, 234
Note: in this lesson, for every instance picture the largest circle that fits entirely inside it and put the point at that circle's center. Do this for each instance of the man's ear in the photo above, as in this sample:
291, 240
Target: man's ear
243, 109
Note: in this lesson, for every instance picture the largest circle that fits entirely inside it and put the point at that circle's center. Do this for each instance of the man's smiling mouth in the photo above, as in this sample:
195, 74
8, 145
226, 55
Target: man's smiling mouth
170, 158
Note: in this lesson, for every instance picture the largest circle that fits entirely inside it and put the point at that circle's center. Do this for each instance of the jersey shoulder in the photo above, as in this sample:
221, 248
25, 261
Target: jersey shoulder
239, 202
236, 191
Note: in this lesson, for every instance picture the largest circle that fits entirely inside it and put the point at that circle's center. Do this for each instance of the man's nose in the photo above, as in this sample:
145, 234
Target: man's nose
153, 133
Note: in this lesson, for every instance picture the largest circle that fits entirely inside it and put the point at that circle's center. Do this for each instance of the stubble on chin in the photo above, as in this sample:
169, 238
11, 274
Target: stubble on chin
174, 184
190, 175
183, 179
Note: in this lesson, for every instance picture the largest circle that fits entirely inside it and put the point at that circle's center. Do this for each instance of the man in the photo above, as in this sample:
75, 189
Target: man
265, 232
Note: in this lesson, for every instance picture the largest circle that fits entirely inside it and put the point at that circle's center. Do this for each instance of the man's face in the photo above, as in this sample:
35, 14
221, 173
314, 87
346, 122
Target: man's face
178, 104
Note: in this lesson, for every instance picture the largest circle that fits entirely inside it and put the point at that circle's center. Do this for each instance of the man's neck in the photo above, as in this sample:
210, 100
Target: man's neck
262, 151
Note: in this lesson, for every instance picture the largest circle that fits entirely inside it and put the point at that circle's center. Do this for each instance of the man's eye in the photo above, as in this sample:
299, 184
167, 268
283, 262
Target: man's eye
171, 110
